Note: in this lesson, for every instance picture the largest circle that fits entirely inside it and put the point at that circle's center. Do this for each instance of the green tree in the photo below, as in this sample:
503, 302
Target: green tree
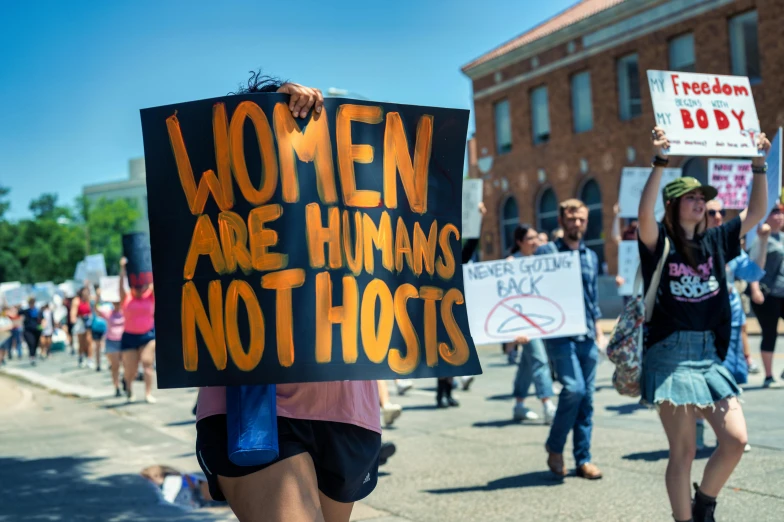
106, 222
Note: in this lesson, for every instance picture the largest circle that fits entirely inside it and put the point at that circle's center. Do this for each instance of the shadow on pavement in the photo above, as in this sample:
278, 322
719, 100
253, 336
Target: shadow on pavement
61, 488
502, 397
420, 407
181, 423
526, 480
626, 409
497, 424
653, 456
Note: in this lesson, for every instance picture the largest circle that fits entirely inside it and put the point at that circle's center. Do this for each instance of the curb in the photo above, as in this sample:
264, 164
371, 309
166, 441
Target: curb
52, 384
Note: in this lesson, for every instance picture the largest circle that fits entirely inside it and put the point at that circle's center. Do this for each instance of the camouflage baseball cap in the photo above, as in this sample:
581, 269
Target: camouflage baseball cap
680, 186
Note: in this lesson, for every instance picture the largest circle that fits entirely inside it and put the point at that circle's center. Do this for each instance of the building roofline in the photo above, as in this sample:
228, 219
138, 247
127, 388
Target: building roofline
487, 63
113, 185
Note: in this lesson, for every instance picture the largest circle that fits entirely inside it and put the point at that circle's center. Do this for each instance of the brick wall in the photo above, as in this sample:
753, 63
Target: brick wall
605, 147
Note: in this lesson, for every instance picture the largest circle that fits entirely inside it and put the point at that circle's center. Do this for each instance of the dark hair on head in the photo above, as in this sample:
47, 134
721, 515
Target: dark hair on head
259, 83
519, 235
672, 222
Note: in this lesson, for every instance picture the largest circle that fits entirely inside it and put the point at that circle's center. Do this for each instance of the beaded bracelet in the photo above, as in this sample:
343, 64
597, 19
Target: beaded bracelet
761, 169
658, 161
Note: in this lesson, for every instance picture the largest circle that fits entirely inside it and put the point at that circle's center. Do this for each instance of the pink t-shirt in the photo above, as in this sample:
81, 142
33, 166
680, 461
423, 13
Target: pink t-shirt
115, 324
139, 313
350, 402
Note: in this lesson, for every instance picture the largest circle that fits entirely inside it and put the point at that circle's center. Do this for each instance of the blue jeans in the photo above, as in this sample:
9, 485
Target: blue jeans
533, 367
575, 368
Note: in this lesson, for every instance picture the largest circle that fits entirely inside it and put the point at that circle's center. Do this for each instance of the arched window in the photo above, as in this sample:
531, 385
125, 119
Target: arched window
696, 168
591, 195
547, 212
510, 218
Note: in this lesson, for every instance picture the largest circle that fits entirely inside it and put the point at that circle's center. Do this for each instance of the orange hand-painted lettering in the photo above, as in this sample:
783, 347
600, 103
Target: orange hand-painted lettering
193, 315
398, 363
282, 282
204, 242
349, 153
318, 235
396, 158
375, 340
245, 361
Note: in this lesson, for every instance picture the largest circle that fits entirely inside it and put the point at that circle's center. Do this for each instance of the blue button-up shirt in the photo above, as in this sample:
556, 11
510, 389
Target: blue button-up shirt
589, 266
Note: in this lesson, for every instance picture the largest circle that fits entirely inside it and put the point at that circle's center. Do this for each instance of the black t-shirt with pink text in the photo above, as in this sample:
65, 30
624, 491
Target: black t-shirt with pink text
689, 299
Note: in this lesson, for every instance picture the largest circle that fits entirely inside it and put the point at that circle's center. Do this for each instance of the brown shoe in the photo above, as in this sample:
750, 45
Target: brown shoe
589, 471
555, 462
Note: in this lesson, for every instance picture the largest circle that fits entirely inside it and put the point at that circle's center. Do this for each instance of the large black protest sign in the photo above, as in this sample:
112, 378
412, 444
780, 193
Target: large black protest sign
303, 250
136, 249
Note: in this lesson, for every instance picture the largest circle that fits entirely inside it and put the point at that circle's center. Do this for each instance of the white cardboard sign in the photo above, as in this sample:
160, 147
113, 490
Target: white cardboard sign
472, 218
95, 266
731, 178
110, 289
774, 182
536, 296
628, 261
705, 114
633, 181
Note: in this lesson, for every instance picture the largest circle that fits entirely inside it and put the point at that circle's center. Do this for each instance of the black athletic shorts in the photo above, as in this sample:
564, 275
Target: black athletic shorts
345, 456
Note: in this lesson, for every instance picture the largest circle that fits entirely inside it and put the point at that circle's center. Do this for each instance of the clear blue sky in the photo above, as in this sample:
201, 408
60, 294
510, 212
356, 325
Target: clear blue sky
74, 74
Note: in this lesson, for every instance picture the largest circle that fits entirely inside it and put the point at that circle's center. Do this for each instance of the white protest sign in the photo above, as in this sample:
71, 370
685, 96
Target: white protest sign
16, 296
535, 296
80, 274
68, 288
95, 266
731, 178
472, 218
774, 182
110, 289
628, 261
705, 114
8, 285
633, 181
43, 292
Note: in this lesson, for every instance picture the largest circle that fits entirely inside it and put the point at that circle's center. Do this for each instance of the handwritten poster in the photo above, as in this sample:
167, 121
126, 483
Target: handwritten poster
705, 114
308, 249
633, 180
774, 182
731, 178
628, 262
536, 296
110, 289
472, 218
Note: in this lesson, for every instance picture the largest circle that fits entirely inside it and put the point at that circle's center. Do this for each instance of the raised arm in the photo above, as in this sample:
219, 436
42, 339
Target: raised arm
762, 250
123, 262
648, 227
616, 230
758, 199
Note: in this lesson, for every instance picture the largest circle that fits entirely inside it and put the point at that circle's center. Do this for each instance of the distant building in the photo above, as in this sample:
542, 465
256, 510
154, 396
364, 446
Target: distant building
134, 189
562, 108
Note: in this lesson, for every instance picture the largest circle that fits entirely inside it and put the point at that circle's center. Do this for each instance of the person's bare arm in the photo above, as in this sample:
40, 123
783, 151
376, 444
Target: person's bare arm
762, 249
757, 297
616, 231
648, 230
758, 199
123, 263
74, 308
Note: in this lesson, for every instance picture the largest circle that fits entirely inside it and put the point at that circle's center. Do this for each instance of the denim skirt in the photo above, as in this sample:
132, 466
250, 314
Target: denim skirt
684, 369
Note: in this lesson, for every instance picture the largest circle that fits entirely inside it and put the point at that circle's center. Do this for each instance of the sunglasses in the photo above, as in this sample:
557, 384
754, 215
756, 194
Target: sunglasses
712, 212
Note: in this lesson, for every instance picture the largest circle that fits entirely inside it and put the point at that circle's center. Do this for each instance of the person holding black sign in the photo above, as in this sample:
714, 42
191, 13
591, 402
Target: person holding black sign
328, 449
689, 333
138, 338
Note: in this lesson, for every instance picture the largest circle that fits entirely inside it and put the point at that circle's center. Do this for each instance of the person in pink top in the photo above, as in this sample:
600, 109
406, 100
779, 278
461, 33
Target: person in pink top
329, 433
115, 326
138, 338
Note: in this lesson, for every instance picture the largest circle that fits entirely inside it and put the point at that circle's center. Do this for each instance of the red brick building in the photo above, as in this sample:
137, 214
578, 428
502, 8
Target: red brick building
562, 108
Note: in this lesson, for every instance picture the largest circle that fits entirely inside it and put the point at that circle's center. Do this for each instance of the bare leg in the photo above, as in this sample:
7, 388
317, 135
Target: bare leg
82, 340
285, 491
130, 360
114, 366
728, 422
679, 425
335, 511
383, 393
98, 350
147, 355
767, 363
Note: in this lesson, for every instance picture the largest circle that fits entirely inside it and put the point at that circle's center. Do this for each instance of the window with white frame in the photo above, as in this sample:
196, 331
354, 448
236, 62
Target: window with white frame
503, 127
540, 115
582, 106
629, 101
744, 46
681, 49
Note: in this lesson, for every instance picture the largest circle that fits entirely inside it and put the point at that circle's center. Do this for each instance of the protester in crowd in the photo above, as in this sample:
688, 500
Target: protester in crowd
32, 328
556, 234
767, 296
98, 330
328, 450
740, 268
69, 324
574, 359
138, 338
81, 316
6, 326
15, 340
543, 239
115, 326
534, 366
389, 411
47, 329
689, 333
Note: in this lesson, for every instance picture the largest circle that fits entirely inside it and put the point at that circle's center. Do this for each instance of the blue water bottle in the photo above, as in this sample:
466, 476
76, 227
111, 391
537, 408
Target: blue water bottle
252, 422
